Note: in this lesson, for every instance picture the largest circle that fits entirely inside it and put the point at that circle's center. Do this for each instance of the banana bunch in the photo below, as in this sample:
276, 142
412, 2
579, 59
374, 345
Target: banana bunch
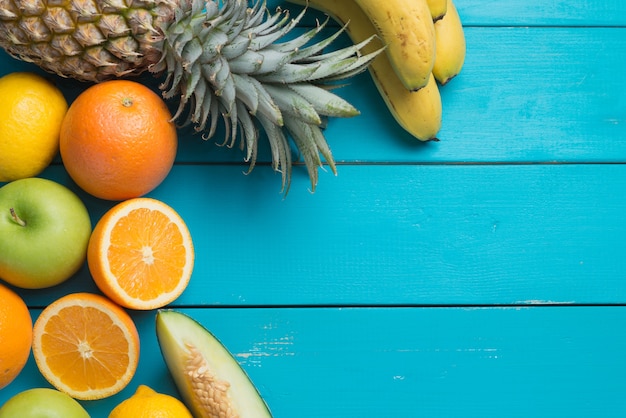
424, 49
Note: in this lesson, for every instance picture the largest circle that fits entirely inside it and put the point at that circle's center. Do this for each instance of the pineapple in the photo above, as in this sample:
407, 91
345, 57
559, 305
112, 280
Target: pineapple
224, 60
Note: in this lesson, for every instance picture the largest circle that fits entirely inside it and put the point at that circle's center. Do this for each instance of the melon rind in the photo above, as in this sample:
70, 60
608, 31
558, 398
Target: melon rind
176, 333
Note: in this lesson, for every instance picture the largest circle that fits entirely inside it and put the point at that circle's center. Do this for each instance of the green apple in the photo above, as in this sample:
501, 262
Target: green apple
42, 403
44, 233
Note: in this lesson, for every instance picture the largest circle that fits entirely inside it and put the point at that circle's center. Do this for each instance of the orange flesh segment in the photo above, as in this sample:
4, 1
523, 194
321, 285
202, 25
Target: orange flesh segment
84, 349
147, 261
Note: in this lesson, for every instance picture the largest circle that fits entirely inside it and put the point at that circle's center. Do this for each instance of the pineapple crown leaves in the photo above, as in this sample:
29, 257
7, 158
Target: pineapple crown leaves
226, 59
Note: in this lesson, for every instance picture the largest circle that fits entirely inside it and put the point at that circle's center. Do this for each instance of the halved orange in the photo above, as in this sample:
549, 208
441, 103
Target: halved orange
86, 346
141, 254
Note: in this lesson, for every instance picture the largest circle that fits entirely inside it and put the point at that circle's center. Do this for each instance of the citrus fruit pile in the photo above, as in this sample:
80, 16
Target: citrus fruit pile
141, 257
117, 142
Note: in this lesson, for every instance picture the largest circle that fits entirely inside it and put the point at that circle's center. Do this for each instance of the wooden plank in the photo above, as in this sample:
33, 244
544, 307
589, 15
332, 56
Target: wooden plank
583, 13
403, 362
398, 234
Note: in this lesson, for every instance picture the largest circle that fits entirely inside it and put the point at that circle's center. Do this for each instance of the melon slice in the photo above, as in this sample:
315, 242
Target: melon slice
209, 379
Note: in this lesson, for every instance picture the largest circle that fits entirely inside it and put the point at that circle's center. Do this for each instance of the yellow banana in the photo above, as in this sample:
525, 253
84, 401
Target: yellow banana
450, 46
406, 28
418, 112
437, 8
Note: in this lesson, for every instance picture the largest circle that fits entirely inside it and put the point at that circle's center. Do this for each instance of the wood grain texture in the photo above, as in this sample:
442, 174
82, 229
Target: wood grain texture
579, 13
398, 234
402, 362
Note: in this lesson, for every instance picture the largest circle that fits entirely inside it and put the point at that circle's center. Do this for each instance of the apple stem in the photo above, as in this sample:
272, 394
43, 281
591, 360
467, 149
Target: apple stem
16, 218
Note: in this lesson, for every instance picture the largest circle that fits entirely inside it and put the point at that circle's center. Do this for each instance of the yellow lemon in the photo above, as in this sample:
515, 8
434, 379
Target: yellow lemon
31, 112
146, 403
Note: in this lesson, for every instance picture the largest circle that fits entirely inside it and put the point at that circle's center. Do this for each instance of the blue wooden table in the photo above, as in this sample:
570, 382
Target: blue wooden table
480, 276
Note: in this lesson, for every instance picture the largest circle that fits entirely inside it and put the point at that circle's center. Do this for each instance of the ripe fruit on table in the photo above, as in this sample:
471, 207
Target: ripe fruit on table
16, 333
147, 403
86, 346
117, 140
450, 45
141, 254
419, 112
208, 377
31, 111
42, 403
406, 28
44, 232
225, 60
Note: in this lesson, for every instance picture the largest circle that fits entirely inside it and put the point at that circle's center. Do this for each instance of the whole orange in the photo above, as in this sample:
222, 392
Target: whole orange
118, 140
16, 335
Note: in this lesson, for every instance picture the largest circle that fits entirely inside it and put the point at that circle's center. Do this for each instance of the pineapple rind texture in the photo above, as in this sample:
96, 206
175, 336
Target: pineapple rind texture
223, 60
89, 40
